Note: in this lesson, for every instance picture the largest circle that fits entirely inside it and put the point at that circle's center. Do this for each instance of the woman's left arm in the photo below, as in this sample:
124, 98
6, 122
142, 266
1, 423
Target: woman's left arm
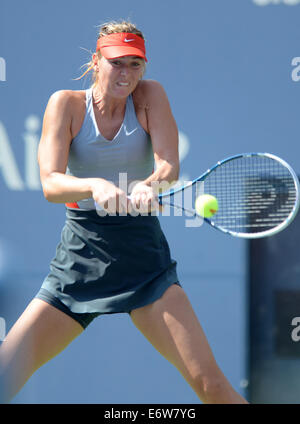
163, 130
164, 134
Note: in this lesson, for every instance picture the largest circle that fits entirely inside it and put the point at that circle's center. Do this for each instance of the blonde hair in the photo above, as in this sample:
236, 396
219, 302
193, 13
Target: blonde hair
112, 27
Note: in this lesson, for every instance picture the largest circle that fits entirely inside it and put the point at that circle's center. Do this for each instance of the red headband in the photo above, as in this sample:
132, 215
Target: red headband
121, 44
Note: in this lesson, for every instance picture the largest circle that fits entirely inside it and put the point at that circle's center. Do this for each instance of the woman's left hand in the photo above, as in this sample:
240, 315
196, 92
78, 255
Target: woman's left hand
143, 198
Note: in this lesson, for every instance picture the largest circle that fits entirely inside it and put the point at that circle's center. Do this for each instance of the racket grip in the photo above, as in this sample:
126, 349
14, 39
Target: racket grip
159, 199
98, 207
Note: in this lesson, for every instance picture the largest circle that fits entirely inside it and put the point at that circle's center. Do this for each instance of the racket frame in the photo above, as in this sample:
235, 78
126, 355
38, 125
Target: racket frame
202, 177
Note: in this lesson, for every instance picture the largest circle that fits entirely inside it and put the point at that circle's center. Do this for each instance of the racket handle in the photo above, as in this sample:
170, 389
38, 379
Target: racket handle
159, 199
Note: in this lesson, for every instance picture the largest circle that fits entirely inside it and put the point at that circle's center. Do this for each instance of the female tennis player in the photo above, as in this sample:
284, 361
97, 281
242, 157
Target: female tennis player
116, 260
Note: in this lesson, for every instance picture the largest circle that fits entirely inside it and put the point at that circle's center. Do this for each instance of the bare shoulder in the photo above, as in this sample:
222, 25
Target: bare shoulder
66, 98
156, 116
66, 108
149, 93
150, 85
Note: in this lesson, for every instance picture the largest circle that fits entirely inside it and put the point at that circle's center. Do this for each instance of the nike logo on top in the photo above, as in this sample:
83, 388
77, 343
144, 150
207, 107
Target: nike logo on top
127, 41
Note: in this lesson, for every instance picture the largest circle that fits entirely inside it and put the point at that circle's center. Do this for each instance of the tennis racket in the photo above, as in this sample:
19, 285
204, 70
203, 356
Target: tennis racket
257, 194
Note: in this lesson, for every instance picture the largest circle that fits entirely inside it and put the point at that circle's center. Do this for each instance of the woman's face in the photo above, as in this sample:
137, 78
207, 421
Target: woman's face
119, 77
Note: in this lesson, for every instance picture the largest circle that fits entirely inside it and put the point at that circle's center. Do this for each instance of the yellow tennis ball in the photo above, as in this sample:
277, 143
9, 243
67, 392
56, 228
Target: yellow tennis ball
206, 205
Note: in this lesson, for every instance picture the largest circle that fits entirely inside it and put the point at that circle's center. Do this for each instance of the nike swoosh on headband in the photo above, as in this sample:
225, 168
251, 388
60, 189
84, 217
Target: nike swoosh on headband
127, 41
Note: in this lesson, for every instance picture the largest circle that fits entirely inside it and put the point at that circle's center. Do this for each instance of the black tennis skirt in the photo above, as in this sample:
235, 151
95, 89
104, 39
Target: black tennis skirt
110, 264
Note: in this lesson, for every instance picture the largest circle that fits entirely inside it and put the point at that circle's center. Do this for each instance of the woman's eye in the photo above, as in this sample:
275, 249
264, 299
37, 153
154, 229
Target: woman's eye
116, 62
136, 64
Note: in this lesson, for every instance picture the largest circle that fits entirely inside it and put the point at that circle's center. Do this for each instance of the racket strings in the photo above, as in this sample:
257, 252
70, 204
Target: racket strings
254, 194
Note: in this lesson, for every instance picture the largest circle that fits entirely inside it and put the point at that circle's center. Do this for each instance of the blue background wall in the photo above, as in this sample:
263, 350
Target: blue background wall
230, 71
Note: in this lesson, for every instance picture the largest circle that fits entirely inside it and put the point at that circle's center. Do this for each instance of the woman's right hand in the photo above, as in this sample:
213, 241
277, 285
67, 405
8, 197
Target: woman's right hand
110, 197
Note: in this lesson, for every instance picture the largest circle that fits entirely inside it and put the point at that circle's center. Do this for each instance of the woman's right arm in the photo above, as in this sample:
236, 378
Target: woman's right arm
53, 158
